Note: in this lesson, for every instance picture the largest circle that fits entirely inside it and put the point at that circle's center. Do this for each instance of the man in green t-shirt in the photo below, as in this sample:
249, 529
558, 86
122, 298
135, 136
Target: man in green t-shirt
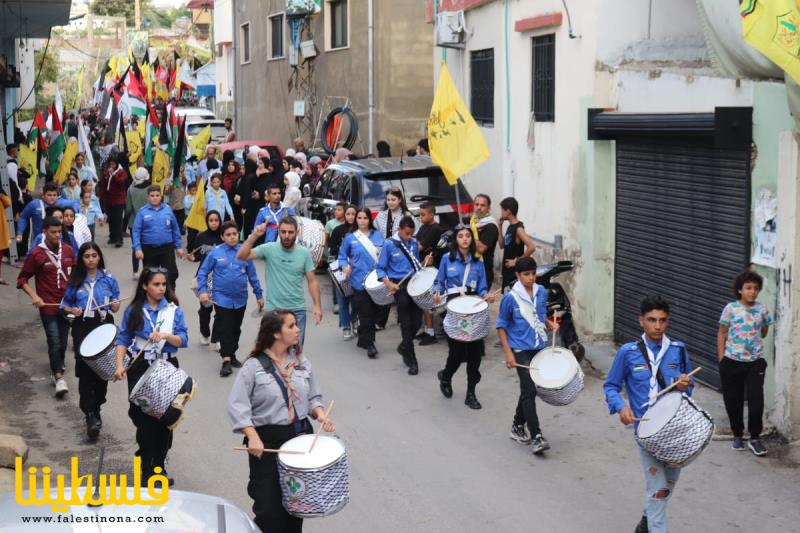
286, 265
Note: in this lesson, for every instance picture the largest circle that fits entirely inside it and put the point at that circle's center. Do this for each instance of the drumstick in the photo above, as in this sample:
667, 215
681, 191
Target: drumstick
319, 429
525, 366
641, 419
692, 373
109, 303
493, 293
148, 343
269, 450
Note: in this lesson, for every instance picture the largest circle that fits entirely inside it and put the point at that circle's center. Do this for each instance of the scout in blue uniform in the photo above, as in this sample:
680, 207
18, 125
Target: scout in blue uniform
644, 367
35, 212
521, 328
155, 235
152, 316
90, 286
272, 214
399, 259
461, 272
229, 293
359, 252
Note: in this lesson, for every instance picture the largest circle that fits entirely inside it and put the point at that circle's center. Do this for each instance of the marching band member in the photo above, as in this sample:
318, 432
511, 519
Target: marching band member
387, 223
152, 323
344, 303
644, 367
359, 252
460, 273
155, 235
90, 286
399, 259
270, 401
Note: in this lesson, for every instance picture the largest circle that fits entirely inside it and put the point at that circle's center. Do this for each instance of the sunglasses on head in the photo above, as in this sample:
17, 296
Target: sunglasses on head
155, 270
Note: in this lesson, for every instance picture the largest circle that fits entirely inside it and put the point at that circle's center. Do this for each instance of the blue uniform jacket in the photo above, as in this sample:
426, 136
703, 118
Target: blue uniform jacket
106, 286
229, 289
222, 206
273, 219
155, 227
178, 327
35, 213
393, 263
451, 275
630, 368
92, 212
66, 238
360, 260
520, 334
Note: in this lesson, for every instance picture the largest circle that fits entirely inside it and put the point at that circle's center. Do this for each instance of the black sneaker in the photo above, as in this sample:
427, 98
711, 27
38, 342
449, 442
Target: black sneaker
420, 336
226, 369
738, 444
427, 340
93, 426
444, 386
539, 444
519, 434
756, 447
471, 401
641, 527
372, 351
235, 363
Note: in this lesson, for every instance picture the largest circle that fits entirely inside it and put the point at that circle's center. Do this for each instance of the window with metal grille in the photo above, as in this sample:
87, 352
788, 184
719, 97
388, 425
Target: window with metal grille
276, 36
543, 89
338, 32
482, 86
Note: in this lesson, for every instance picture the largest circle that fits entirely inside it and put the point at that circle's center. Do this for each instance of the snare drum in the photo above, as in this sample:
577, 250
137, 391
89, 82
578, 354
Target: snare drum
340, 281
557, 375
196, 291
377, 290
163, 391
317, 483
675, 430
420, 288
99, 351
467, 318
311, 234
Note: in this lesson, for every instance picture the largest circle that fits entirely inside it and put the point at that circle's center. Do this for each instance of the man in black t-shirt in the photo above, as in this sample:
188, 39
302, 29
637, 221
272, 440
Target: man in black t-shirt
484, 229
428, 237
515, 243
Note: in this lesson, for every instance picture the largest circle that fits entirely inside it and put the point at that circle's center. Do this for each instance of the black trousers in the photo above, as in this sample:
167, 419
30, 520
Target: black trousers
739, 380
464, 352
410, 317
91, 389
228, 329
264, 485
191, 234
180, 216
526, 405
153, 438
115, 213
205, 322
382, 315
162, 256
366, 311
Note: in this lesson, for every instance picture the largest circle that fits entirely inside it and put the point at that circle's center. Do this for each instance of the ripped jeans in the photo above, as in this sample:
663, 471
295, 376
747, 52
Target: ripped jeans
660, 481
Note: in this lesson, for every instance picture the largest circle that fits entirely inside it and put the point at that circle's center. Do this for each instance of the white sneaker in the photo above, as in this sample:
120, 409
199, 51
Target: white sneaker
215, 346
347, 334
61, 387
204, 341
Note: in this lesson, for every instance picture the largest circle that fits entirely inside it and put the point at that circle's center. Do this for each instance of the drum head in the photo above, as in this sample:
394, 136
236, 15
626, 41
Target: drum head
467, 305
327, 451
372, 280
659, 414
554, 368
333, 266
99, 340
422, 281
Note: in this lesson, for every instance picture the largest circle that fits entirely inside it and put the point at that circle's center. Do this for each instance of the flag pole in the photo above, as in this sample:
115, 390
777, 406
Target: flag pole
458, 204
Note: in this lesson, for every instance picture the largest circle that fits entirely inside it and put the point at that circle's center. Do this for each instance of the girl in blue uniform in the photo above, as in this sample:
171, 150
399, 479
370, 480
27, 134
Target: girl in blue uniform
461, 273
155, 323
360, 251
89, 287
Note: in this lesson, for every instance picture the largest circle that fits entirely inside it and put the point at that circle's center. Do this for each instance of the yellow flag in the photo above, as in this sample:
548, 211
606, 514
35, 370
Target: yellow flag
134, 145
160, 169
27, 162
196, 219
141, 126
456, 142
66, 161
79, 95
200, 141
773, 28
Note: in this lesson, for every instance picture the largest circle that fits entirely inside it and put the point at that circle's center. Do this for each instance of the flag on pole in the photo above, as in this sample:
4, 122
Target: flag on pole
196, 218
36, 132
456, 142
79, 96
84, 146
160, 168
134, 142
27, 162
67, 159
150, 135
200, 141
57, 142
773, 28
180, 154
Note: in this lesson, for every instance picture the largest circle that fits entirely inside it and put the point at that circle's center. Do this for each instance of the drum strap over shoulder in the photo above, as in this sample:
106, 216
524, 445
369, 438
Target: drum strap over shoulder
269, 366
411, 259
659, 376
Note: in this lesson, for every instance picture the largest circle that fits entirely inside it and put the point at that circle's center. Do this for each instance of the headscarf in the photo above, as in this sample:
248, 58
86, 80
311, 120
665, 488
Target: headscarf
294, 180
315, 160
341, 154
227, 156
289, 152
140, 176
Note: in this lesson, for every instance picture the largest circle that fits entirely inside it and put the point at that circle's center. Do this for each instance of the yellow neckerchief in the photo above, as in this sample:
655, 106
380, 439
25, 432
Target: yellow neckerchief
473, 224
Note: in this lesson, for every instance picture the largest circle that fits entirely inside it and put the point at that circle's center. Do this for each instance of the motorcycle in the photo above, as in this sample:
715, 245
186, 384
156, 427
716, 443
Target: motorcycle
558, 302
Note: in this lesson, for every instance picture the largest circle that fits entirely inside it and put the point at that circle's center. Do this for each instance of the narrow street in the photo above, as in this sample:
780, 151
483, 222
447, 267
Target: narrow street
419, 462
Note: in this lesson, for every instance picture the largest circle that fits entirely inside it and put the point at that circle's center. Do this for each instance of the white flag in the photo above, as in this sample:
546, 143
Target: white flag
83, 146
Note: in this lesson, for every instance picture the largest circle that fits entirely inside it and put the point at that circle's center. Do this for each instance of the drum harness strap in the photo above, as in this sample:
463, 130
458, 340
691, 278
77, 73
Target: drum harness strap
462, 290
269, 366
651, 361
411, 259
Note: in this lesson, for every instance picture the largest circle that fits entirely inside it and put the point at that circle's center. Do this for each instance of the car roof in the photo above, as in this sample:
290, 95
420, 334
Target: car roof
386, 165
203, 120
235, 145
194, 111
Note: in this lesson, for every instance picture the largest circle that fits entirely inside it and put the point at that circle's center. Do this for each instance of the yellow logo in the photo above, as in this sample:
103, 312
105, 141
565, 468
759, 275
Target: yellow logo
786, 34
111, 489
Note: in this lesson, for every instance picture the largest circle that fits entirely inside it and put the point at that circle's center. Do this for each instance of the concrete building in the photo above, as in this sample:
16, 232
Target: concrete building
226, 59
402, 84
659, 171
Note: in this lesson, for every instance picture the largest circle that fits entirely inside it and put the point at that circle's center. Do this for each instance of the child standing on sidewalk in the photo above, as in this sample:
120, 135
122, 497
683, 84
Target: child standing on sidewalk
740, 348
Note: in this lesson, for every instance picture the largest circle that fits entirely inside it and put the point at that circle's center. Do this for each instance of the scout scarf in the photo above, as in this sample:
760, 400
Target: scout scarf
367, 243
655, 361
286, 375
476, 223
527, 308
164, 322
90, 303
415, 264
55, 259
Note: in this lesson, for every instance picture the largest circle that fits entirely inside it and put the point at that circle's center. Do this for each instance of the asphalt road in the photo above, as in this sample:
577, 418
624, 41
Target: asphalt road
419, 462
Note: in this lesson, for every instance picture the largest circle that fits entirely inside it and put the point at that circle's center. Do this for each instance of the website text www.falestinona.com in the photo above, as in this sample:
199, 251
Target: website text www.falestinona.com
72, 519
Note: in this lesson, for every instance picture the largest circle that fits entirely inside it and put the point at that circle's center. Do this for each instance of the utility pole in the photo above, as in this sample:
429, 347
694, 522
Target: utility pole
137, 16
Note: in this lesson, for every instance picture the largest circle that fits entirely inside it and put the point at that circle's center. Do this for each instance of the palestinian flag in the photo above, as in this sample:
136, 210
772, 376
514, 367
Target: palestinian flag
151, 134
132, 105
180, 154
123, 139
113, 120
37, 129
57, 143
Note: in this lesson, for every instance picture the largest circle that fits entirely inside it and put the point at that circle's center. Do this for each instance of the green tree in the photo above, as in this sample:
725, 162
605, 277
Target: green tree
117, 8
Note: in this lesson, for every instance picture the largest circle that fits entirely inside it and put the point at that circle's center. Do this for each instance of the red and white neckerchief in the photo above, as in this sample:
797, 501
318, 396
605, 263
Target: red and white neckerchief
111, 177
286, 374
55, 259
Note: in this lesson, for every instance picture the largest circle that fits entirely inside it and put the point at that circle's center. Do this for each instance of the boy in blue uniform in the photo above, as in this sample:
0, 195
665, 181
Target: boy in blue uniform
521, 329
645, 367
273, 213
155, 235
35, 212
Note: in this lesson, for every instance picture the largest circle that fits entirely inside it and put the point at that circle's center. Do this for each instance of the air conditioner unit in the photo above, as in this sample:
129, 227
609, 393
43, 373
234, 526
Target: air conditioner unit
451, 29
